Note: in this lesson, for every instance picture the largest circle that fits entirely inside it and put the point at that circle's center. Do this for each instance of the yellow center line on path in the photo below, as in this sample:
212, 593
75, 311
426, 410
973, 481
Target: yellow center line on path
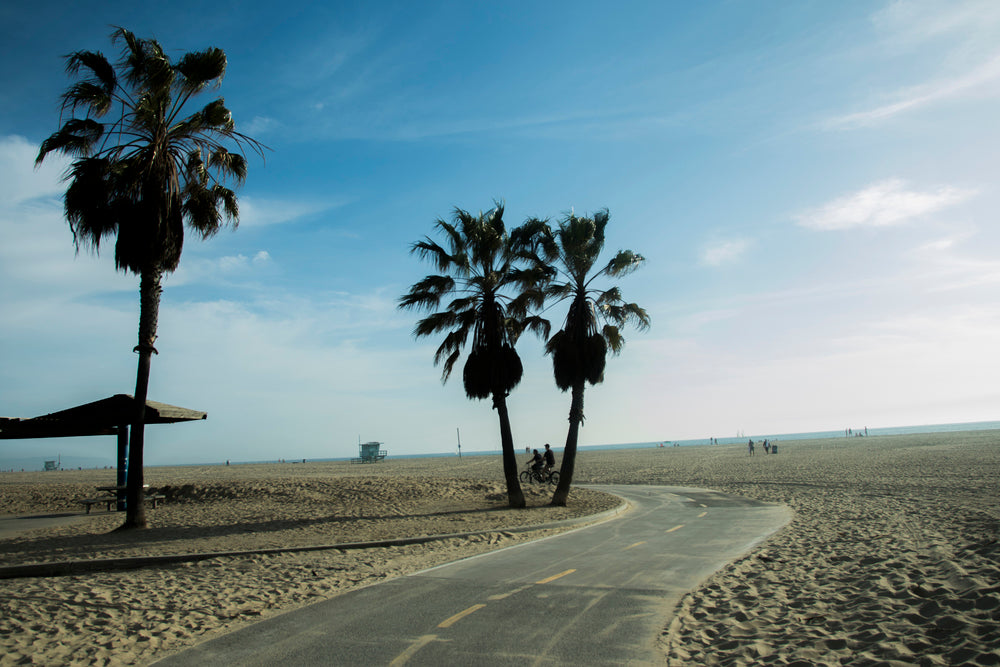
633, 545
502, 596
678, 527
702, 514
403, 657
556, 576
447, 623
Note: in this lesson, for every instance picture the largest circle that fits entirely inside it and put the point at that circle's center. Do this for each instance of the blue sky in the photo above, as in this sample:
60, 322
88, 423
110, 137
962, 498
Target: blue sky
814, 186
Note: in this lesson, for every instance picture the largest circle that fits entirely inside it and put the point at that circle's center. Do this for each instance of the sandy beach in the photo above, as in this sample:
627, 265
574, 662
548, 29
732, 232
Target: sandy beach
892, 556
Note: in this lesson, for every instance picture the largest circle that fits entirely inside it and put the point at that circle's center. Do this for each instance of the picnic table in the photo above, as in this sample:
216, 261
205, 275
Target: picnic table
115, 494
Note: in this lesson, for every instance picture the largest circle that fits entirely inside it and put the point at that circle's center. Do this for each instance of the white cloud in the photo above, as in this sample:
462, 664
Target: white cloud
36, 244
20, 182
260, 125
262, 212
242, 262
886, 203
724, 252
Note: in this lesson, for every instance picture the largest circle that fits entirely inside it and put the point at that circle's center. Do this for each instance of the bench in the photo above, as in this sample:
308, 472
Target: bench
90, 502
153, 498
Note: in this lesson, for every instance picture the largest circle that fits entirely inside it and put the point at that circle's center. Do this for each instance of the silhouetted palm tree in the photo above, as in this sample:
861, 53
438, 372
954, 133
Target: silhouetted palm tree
141, 171
579, 350
489, 297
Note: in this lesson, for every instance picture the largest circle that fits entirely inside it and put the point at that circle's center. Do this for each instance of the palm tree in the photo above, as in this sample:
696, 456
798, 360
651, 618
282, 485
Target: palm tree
141, 171
489, 297
592, 326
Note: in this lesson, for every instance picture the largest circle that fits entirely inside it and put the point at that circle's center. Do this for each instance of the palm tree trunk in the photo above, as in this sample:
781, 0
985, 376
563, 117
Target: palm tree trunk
149, 311
561, 495
515, 496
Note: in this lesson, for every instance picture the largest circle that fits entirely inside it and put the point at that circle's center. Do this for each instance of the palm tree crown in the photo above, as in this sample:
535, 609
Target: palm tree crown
595, 316
489, 300
147, 169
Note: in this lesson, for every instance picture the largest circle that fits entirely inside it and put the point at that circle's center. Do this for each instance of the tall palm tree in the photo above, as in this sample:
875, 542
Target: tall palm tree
489, 298
592, 326
141, 170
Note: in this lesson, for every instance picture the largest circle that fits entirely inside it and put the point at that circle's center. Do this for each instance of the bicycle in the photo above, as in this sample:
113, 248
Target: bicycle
541, 476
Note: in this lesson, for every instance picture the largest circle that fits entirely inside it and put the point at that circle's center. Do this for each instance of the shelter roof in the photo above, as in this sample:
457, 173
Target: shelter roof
103, 417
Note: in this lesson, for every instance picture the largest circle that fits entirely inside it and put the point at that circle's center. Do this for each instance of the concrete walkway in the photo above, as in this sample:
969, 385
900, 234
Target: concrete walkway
598, 595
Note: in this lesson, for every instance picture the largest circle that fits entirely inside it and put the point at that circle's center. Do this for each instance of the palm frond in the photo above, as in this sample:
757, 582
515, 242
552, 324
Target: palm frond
453, 342
96, 64
449, 364
94, 97
427, 293
537, 325
612, 335
230, 164
623, 263
612, 295
77, 137
464, 304
434, 323
201, 68
87, 202
439, 257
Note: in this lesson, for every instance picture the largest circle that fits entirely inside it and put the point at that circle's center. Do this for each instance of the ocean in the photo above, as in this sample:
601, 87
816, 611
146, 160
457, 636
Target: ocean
742, 438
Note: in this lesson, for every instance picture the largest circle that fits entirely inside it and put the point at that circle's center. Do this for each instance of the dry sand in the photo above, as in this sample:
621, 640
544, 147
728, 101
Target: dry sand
891, 558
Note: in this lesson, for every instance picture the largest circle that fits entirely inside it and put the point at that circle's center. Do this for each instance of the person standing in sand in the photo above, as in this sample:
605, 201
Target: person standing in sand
750, 446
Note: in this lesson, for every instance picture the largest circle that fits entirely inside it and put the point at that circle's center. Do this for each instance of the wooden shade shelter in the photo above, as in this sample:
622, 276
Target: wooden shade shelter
108, 416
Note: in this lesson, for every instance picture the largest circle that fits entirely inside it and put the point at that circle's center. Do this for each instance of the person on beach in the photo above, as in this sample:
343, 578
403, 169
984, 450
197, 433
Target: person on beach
550, 458
767, 447
750, 446
536, 461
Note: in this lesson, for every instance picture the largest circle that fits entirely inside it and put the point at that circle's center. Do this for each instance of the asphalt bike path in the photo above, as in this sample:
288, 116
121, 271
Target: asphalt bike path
597, 595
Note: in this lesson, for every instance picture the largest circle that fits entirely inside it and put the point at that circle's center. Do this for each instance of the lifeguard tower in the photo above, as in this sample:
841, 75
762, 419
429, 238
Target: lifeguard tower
370, 452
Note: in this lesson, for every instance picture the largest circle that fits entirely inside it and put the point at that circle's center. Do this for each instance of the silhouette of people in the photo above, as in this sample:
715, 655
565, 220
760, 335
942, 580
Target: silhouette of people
550, 458
750, 446
536, 461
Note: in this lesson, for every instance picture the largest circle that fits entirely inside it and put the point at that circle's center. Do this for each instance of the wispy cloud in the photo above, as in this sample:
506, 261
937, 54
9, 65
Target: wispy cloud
914, 22
724, 252
919, 96
952, 46
889, 202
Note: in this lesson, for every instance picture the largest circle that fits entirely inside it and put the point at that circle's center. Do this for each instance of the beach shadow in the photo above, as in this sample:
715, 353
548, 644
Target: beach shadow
22, 543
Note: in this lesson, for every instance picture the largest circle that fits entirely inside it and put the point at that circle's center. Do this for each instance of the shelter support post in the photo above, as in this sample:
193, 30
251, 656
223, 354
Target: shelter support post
122, 478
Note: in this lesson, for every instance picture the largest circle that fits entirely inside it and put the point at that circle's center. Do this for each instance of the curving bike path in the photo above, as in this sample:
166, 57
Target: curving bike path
598, 595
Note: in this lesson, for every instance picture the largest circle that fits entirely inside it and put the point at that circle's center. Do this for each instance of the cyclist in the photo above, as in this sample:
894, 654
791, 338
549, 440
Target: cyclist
536, 461
550, 458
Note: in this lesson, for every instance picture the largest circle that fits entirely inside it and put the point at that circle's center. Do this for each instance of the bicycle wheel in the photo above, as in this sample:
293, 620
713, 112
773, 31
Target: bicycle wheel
526, 477
554, 477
